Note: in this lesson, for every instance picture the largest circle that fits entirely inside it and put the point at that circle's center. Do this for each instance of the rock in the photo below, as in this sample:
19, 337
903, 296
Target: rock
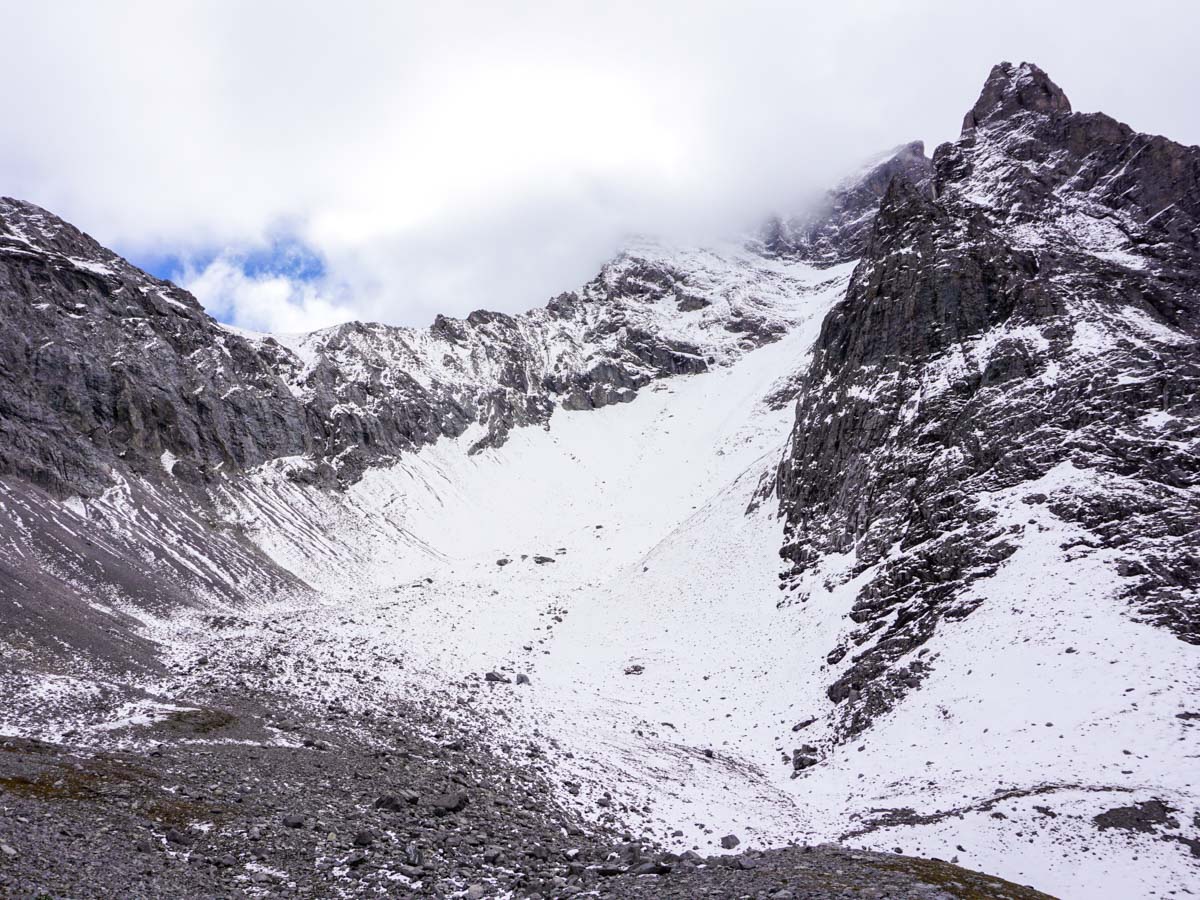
650, 867
475, 891
893, 334
730, 841
542, 560
522, 678
8, 850
496, 678
443, 804
503, 562
1145, 817
805, 757
394, 802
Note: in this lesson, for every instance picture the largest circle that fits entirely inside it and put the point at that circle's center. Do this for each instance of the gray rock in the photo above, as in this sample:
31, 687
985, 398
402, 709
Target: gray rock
1024, 163
444, 804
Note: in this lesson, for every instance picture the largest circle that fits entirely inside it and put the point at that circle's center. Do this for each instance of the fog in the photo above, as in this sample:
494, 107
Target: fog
419, 160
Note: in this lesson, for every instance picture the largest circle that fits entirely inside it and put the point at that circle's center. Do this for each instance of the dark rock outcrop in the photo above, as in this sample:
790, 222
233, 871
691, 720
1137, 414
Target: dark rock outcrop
102, 365
1029, 319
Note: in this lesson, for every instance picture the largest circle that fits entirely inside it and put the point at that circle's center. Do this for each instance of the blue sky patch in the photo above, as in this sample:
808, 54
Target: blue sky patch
284, 256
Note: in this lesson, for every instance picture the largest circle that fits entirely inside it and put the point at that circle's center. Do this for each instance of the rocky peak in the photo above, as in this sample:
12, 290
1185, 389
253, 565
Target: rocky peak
1025, 331
1010, 90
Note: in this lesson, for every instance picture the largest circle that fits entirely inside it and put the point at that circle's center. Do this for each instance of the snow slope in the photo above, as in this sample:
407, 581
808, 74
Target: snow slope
667, 675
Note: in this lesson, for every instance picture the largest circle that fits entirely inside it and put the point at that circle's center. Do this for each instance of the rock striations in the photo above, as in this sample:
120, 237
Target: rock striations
1029, 325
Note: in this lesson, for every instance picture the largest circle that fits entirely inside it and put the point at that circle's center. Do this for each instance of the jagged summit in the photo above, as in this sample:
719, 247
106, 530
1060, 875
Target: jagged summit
1012, 89
1033, 321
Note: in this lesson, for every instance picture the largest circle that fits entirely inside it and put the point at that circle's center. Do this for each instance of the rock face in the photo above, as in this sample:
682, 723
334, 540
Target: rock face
836, 229
104, 366
1030, 324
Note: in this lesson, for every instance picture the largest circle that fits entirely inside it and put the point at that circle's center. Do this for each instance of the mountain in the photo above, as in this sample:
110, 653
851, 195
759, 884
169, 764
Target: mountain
497, 607
1028, 333
104, 362
120, 391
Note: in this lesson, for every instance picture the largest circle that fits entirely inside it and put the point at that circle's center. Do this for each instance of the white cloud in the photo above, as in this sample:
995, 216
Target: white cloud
455, 155
273, 303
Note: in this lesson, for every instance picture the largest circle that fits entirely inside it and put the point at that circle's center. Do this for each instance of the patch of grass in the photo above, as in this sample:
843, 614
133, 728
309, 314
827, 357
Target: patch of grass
59, 786
197, 721
106, 781
960, 882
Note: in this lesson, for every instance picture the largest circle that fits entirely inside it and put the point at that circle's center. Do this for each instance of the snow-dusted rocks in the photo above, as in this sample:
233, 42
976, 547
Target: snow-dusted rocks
1040, 314
999, 429
106, 366
651, 313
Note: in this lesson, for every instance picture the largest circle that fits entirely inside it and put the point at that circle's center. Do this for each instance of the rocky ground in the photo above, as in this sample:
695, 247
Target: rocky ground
233, 800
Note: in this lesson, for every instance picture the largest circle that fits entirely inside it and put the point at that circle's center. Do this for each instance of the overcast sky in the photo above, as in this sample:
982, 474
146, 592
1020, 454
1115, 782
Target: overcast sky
298, 164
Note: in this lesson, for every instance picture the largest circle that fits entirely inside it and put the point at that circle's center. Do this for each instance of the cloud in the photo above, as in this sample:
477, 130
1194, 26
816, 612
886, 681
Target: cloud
275, 303
444, 157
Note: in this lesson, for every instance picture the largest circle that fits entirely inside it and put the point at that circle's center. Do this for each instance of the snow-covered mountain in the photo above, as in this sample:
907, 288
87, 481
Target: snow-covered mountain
880, 528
